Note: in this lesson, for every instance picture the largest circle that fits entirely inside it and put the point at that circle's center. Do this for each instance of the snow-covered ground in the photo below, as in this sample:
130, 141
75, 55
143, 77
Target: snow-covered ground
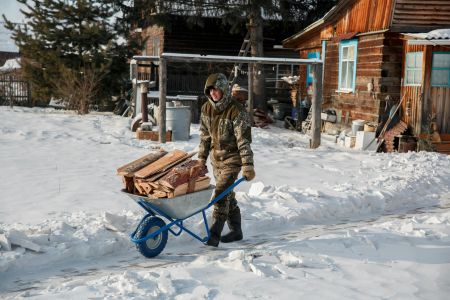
330, 223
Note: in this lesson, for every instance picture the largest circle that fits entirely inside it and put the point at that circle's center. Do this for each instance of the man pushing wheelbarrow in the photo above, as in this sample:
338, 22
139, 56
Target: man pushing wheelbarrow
225, 136
225, 133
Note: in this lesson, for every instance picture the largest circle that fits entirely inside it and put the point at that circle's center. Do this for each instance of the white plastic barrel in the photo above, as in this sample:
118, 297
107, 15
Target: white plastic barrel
357, 125
178, 119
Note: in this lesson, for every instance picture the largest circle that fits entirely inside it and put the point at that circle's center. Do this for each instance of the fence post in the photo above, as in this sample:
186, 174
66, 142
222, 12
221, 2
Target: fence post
316, 106
11, 90
162, 99
250, 92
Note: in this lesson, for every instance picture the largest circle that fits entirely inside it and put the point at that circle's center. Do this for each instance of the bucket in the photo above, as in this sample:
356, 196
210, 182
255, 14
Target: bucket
357, 125
370, 127
178, 119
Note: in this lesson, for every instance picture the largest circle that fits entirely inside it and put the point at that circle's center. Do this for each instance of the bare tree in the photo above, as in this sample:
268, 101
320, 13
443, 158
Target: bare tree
78, 89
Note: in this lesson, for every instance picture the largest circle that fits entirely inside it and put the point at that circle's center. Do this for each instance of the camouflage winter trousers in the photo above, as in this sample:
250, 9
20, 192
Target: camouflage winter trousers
225, 176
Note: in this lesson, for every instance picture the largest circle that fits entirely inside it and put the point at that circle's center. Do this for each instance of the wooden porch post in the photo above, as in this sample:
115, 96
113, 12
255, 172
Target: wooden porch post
316, 106
162, 99
250, 92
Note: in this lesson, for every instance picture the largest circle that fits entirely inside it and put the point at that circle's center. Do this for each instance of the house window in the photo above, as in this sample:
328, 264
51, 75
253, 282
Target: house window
309, 75
347, 65
440, 72
413, 70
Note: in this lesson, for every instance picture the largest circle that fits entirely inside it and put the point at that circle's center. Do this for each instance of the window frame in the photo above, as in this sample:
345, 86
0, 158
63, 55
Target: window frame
413, 69
435, 68
342, 45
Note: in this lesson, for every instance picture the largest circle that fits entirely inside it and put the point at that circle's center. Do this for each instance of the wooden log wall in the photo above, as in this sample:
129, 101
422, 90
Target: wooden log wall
365, 16
423, 103
379, 61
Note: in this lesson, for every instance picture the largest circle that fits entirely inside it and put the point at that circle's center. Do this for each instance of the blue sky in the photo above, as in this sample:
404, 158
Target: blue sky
10, 8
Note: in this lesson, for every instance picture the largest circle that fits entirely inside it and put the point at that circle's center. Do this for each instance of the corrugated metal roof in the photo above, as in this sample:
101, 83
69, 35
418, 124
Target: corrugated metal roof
438, 34
434, 37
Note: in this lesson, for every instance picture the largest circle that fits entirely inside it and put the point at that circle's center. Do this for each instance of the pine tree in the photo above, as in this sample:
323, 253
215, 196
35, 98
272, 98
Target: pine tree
253, 13
76, 37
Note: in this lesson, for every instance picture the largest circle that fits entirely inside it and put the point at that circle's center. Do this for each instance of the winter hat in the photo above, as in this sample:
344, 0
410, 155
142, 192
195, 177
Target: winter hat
238, 88
219, 81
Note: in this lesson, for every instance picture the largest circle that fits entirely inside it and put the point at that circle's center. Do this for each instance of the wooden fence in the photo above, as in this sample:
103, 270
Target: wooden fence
14, 90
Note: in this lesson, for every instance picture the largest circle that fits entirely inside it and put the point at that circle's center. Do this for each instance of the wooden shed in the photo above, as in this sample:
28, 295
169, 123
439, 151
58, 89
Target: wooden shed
210, 37
368, 54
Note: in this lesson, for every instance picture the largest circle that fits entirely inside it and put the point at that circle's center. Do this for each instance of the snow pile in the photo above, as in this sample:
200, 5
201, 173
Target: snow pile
324, 222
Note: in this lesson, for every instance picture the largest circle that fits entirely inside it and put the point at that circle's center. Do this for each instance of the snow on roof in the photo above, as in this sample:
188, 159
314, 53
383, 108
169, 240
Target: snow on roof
439, 34
11, 64
434, 37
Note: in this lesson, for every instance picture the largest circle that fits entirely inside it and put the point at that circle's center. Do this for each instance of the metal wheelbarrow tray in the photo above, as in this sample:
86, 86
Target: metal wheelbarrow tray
150, 236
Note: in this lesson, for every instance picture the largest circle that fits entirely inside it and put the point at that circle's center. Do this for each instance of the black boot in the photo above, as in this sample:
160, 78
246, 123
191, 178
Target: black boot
215, 230
234, 223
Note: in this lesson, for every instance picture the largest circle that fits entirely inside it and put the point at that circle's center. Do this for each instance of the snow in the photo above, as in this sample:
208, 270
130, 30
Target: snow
10, 64
329, 223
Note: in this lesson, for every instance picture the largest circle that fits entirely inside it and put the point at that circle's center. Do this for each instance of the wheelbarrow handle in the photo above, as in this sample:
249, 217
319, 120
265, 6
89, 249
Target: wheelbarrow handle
227, 190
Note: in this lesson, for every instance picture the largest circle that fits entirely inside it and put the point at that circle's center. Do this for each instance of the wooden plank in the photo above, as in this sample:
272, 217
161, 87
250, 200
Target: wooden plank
160, 164
129, 168
157, 176
199, 185
167, 169
189, 155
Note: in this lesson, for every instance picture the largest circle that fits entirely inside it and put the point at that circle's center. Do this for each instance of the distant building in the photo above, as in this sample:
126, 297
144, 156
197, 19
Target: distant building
5, 55
212, 38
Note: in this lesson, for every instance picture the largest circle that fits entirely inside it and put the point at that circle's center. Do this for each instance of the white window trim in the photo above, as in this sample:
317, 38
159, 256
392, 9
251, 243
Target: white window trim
343, 44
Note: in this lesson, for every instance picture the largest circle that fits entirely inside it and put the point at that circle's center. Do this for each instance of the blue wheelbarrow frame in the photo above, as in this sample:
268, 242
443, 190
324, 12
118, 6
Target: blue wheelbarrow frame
151, 217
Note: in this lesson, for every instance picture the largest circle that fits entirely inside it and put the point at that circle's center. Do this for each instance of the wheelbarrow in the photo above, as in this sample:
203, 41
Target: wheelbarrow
150, 236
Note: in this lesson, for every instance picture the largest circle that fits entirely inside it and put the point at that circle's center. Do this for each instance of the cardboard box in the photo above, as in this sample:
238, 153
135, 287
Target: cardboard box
363, 139
349, 141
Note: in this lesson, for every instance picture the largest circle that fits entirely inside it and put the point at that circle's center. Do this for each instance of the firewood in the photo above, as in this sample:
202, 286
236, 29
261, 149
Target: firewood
180, 190
199, 185
178, 162
184, 173
154, 185
147, 187
139, 188
159, 194
128, 183
130, 168
167, 169
160, 164
202, 184
157, 176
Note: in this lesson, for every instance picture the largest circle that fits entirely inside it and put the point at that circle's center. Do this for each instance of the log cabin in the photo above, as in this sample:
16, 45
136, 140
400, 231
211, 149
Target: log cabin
373, 49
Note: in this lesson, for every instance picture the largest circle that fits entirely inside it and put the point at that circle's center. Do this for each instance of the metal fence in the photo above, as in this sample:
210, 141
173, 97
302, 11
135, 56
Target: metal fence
14, 90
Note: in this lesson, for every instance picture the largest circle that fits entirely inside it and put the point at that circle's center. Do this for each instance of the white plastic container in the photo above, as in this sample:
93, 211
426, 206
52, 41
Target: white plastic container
178, 119
357, 125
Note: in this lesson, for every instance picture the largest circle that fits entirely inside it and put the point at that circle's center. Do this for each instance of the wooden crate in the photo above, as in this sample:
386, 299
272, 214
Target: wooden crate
152, 135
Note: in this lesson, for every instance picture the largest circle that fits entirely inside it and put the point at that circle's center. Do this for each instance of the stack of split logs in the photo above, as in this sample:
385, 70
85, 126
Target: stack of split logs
164, 175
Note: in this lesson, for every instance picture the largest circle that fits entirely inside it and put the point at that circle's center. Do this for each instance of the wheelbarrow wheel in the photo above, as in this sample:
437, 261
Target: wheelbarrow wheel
153, 246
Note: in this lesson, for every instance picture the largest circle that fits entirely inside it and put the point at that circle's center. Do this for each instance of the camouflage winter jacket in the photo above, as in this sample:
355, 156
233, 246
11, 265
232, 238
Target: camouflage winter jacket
225, 129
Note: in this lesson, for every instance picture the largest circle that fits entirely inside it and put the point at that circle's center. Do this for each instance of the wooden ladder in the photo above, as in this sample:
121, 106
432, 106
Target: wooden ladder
306, 125
242, 52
